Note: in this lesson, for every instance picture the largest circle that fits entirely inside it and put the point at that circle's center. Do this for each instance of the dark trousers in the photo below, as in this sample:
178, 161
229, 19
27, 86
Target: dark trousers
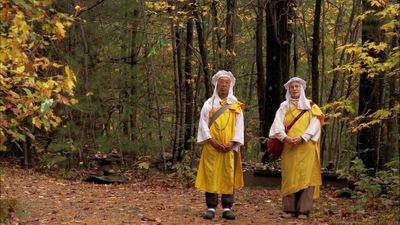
226, 200
299, 202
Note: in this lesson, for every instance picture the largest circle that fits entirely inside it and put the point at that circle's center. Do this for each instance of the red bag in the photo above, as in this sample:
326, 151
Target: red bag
275, 146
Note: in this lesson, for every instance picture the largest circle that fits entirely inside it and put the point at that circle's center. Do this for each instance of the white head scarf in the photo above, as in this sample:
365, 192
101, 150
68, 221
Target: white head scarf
230, 98
303, 104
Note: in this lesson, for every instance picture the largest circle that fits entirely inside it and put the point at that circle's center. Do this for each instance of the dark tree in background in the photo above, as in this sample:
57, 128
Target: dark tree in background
261, 94
230, 35
203, 52
370, 92
144, 69
278, 55
189, 82
315, 52
177, 55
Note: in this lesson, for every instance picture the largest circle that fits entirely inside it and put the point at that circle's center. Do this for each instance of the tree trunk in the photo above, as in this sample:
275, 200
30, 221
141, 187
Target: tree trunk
369, 94
260, 73
315, 53
392, 148
323, 59
189, 81
333, 92
86, 69
278, 51
285, 34
230, 35
177, 87
305, 42
28, 154
349, 38
368, 138
393, 124
274, 78
295, 45
133, 61
216, 36
203, 52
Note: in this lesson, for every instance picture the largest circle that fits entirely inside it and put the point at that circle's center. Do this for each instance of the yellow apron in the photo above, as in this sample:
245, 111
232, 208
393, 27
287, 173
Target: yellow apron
300, 164
217, 172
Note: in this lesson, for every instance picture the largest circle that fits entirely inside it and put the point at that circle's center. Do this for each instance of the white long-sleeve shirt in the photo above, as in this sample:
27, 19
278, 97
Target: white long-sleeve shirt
313, 131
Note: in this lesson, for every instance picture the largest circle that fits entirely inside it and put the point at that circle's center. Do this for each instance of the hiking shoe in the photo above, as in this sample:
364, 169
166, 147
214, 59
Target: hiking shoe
209, 215
288, 215
229, 215
302, 216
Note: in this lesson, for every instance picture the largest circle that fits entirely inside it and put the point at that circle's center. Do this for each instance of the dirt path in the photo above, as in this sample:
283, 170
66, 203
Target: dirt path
157, 200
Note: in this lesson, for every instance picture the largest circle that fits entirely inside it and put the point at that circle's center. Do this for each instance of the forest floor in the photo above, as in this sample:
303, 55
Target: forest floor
158, 199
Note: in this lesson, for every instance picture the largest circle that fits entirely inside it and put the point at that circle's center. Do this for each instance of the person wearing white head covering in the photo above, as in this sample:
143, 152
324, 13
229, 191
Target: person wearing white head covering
300, 159
221, 133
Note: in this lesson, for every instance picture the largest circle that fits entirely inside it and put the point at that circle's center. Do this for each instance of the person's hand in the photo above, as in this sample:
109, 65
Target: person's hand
219, 147
229, 146
293, 140
297, 140
289, 140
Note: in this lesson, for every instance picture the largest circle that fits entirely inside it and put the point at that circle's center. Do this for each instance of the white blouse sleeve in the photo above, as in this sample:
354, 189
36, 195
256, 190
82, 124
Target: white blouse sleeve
277, 129
313, 131
239, 130
203, 132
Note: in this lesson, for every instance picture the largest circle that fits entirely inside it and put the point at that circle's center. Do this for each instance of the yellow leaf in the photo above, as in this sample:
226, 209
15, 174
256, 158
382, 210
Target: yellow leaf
60, 30
56, 65
378, 3
380, 47
49, 84
57, 119
77, 8
36, 121
381, 114
63, 99
389, 26
14, 122
57, 90
68, 85
69, 73
144, 165
20, 69
74, 101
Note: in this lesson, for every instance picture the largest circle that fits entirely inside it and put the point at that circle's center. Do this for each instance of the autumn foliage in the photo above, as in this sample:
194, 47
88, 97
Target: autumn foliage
31, 83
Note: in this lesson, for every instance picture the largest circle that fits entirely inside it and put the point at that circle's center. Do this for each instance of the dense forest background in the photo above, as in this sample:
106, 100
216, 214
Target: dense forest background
116, 86
127, 77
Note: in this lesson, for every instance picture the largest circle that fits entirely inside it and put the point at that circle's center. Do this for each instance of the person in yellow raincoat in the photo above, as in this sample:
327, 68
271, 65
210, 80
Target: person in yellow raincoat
221, 133
300, 159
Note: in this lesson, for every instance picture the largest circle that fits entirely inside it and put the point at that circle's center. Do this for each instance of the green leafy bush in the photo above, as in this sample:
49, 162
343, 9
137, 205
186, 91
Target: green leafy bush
11, 211
381, 189
185, 170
